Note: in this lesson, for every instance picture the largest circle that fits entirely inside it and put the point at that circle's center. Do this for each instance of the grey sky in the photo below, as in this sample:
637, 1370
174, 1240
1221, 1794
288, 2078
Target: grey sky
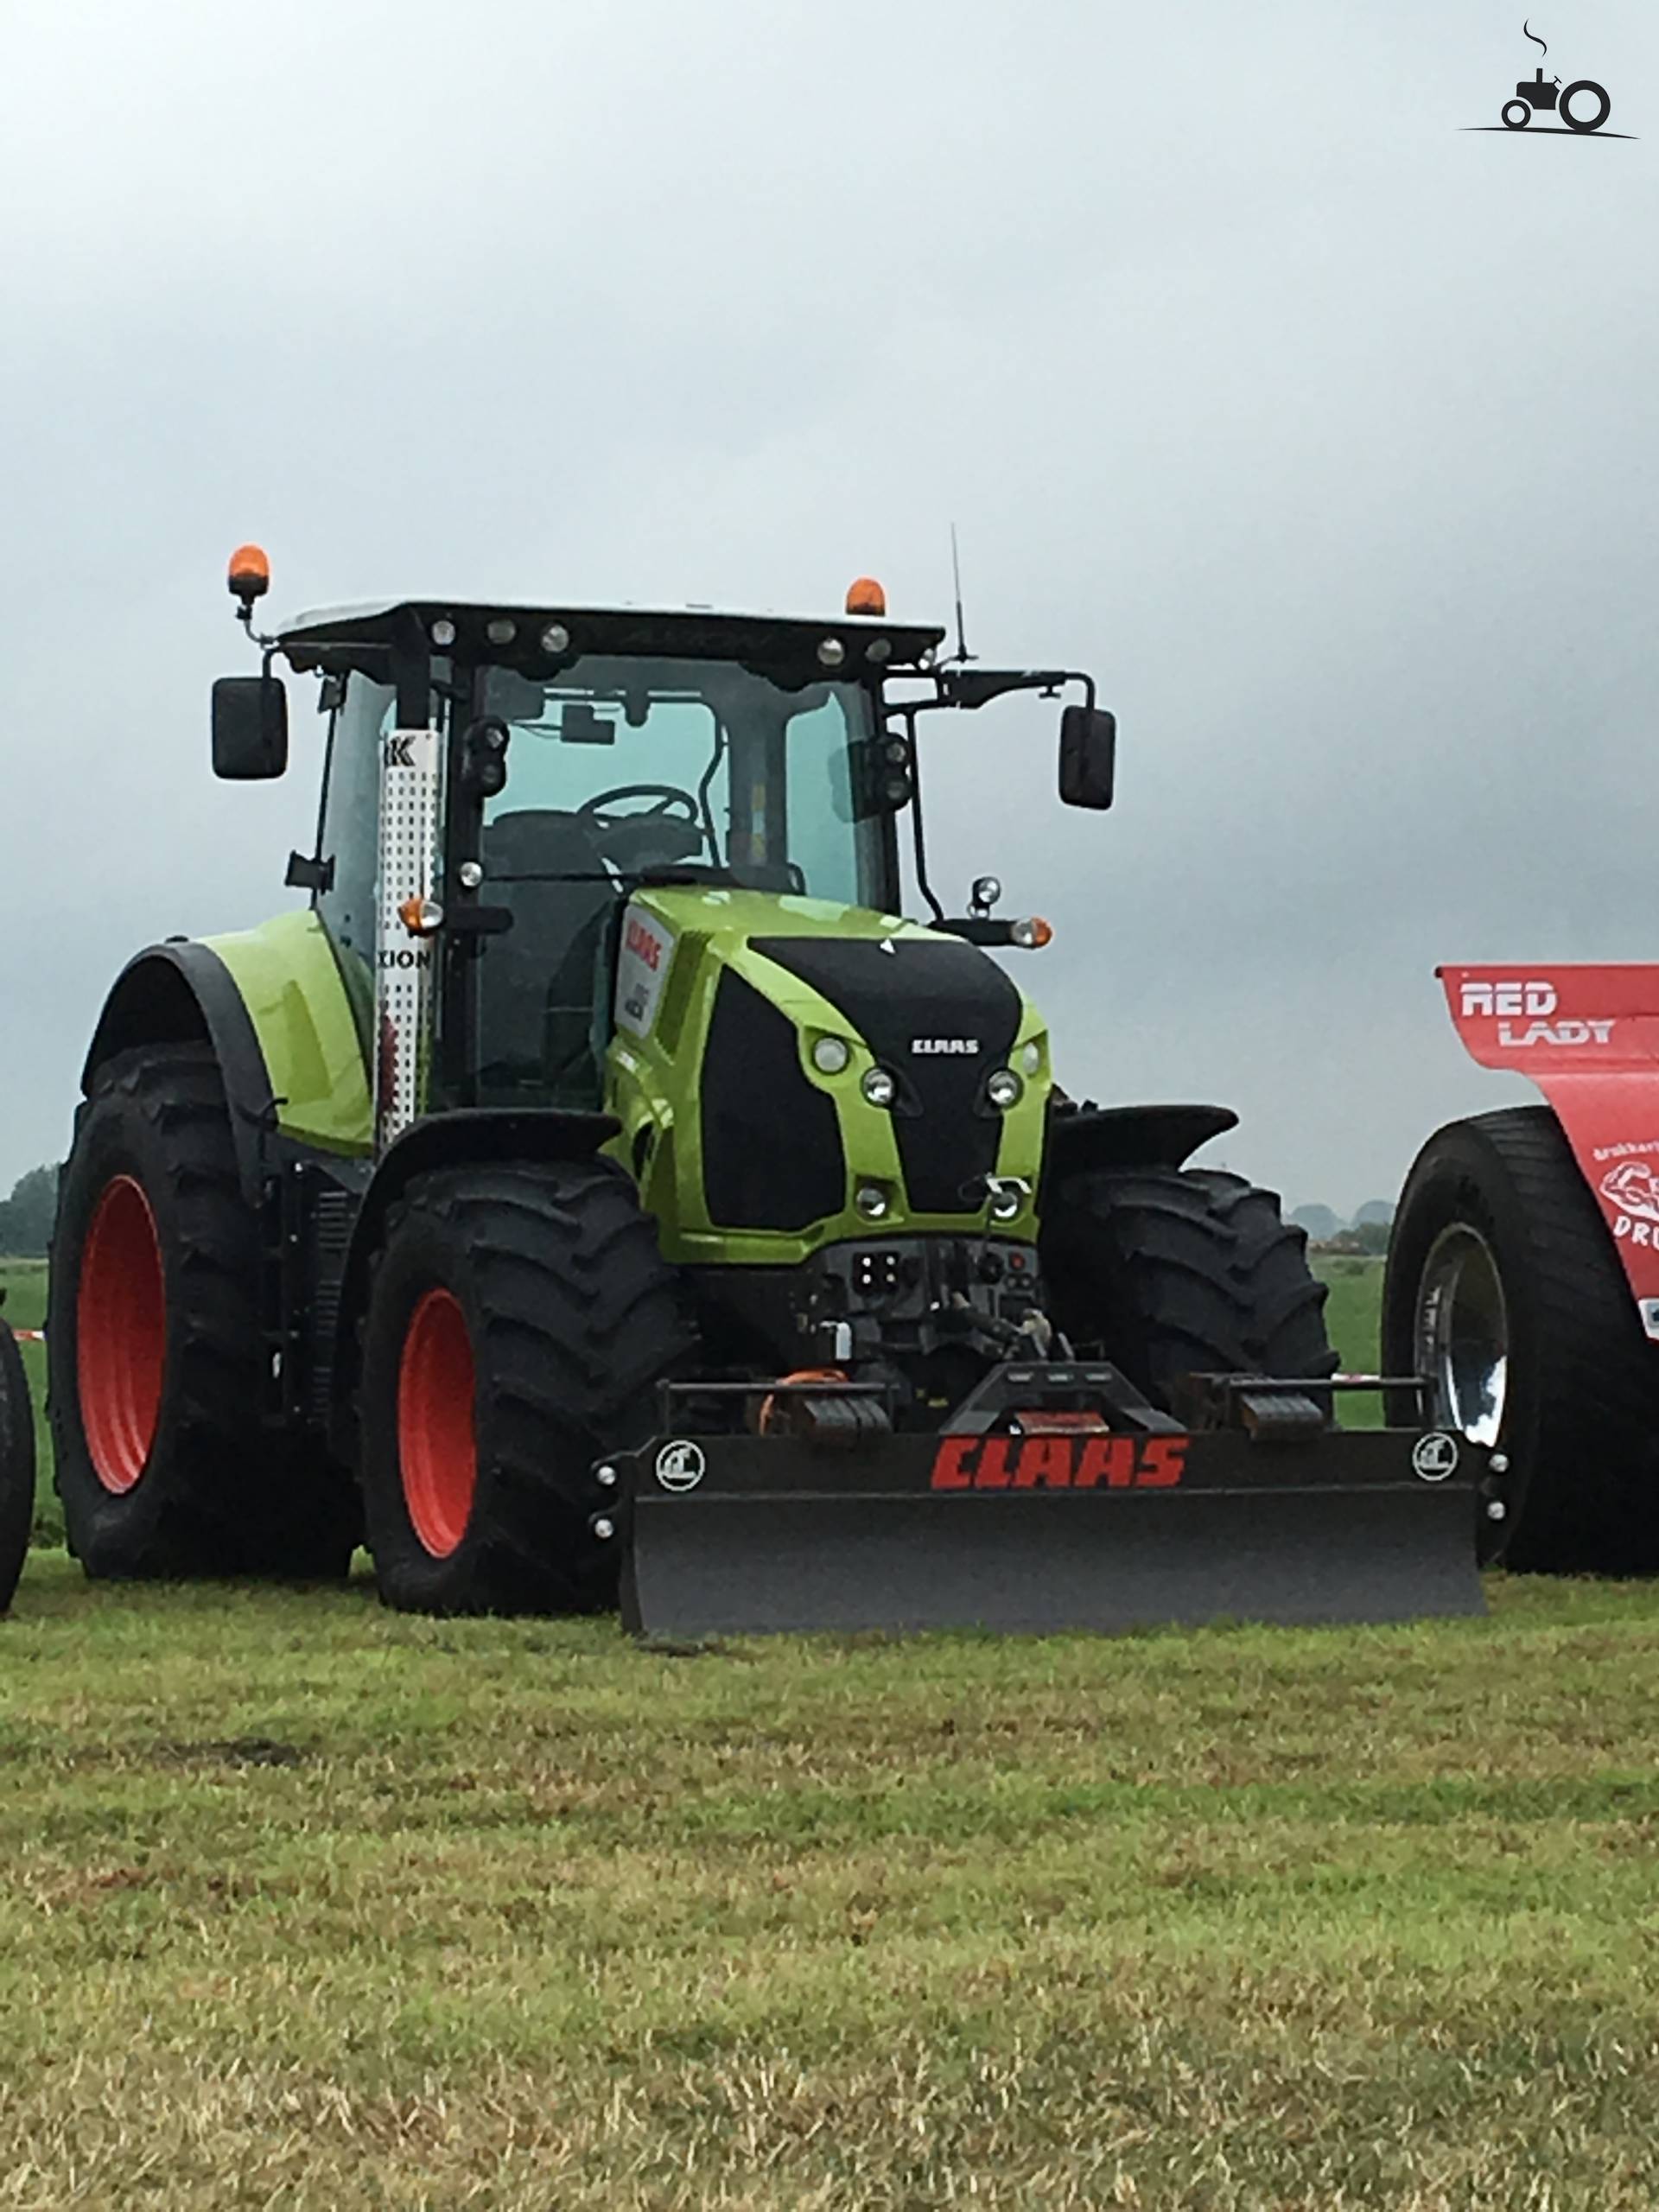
1325, 433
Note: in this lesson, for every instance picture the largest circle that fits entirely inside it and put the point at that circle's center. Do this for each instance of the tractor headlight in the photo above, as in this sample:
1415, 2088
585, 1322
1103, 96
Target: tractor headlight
1031, 1056
830, 1054
878, 1087
1006, 1202
1005, 1090
871, 1202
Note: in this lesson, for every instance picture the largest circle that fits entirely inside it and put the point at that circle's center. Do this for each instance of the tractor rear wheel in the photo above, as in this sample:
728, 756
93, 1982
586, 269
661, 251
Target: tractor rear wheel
519, 1319
1504, 1287
155, 1347
16, 1466
1169, 1272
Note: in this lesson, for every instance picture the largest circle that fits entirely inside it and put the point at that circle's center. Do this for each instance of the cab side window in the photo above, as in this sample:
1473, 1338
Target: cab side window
351, 817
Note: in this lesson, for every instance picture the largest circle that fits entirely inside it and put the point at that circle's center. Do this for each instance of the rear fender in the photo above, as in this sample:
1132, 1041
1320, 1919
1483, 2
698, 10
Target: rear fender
468, 1135
181, 993
1588, 1037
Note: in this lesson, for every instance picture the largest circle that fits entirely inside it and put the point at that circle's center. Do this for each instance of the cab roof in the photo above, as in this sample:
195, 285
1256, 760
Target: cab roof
344, 636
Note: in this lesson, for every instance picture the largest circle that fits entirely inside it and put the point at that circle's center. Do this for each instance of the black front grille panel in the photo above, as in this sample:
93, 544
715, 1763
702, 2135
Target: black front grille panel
772, 1155
901, 992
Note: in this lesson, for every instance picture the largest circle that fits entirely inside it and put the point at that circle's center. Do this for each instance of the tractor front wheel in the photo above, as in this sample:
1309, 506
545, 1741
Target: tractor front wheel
519, 1319
1504, 1289
1171, 1272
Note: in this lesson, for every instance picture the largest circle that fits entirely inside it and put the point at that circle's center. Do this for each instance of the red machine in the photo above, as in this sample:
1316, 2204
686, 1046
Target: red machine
1523, 1275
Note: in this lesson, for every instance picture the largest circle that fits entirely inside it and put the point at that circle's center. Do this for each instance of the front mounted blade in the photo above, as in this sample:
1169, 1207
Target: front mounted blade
1047, 1532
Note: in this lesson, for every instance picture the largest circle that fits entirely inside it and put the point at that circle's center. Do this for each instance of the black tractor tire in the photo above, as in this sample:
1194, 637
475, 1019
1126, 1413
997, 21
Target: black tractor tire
16, 1466
1169, 1272
519, 1319
156, 1352
1579, 1426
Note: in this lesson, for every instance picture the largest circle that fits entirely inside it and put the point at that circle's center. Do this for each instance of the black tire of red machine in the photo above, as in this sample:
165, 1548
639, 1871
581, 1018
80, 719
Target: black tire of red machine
520, 1320
156, 1347
1580, 1420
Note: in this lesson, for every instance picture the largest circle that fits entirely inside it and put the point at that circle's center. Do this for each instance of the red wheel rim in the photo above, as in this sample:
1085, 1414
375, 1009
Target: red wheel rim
120, 1334
437, 1450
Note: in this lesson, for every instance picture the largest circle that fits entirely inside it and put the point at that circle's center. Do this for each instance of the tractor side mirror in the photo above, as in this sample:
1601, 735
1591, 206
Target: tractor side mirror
250, 727
1088, 756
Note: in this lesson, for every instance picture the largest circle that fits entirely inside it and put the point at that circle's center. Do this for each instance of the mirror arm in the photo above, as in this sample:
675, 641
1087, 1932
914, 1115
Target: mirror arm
967, 690
907, 713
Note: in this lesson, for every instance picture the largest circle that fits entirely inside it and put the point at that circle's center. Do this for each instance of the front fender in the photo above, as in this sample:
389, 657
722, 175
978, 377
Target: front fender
1091, 1140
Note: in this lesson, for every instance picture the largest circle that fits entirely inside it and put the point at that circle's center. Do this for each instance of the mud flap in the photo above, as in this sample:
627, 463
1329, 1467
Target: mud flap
740, 1534
16, 1466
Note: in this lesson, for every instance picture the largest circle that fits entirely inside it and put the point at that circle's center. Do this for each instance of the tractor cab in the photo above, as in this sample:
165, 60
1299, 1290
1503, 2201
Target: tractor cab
502, 781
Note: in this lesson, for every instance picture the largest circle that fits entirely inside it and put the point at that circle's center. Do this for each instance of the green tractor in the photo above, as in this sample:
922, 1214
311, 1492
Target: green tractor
599, 1188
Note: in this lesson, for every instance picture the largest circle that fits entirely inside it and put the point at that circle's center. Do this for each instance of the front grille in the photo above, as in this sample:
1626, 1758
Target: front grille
905, 990
772, 1155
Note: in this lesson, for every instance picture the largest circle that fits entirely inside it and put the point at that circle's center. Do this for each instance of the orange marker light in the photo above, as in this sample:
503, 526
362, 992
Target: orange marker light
1032, 934
420, 917
250, 573
866, 596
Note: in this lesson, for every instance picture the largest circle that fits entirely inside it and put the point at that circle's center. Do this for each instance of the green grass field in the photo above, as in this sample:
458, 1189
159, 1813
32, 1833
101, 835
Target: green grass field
1353, 1309
305, 1903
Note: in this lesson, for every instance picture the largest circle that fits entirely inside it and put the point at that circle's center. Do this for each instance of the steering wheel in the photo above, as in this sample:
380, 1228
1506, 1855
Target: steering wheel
671, 801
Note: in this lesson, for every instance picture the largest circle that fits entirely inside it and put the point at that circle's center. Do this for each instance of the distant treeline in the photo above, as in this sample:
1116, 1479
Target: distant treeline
1368, 1232
26, 1216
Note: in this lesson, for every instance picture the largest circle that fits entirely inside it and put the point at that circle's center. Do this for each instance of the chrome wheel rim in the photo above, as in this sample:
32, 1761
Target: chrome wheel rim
1463, 1333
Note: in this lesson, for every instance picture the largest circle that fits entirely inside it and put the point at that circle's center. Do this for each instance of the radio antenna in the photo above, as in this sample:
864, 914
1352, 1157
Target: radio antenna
961, 652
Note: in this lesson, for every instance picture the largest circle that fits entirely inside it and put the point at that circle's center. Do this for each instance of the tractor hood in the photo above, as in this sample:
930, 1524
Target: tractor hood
750, 1028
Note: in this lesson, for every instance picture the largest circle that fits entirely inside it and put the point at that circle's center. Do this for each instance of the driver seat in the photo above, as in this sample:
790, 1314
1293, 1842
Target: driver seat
541, 1019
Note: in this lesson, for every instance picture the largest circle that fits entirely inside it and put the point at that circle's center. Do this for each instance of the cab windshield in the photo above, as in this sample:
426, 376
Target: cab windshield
622, 767
617, 770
